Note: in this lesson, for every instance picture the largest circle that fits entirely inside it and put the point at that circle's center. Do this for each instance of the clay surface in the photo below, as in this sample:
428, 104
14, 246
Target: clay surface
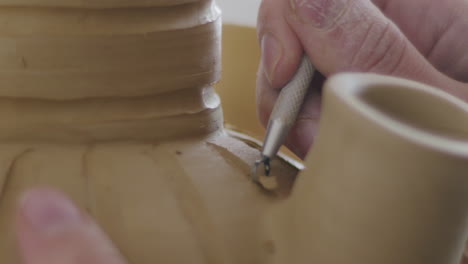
183, 201
95, 4
112, 103
386, 179
73, 53
115, 107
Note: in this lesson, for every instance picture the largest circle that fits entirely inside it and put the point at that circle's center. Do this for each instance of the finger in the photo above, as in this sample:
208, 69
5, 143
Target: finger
281, 53
353, 35
338, 36
51, 230
443, 41
465, 255
302, 134
281, 49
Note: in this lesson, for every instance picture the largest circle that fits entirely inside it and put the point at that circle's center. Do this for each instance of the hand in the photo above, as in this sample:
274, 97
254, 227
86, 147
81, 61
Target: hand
51, 230
423, 40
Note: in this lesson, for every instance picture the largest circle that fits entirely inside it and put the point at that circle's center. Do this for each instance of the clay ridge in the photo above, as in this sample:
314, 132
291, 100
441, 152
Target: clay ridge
95, 4
49, 21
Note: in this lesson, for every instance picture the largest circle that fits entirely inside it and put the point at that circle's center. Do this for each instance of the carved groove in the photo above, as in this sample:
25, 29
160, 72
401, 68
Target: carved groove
85, 174
10, 171
192, 207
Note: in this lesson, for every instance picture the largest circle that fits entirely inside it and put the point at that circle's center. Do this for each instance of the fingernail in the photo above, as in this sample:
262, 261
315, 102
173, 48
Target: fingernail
321, 14
49, 211
272, 51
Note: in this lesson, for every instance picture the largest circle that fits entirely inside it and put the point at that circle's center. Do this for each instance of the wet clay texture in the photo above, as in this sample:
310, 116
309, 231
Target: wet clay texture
111, 101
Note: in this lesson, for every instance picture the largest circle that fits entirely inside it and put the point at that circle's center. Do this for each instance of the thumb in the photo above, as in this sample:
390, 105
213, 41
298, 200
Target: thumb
51, 230
338, 36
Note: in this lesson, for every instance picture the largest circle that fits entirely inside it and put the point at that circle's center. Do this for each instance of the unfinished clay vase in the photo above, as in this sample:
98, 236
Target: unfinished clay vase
111, 101
387, 180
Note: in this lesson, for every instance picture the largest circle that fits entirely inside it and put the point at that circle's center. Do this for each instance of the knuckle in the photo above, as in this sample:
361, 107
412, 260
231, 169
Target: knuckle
380, 50
321, 14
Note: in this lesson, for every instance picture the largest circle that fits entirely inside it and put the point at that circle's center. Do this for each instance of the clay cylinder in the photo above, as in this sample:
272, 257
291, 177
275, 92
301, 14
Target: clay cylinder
115, 107
65, 52
387, 180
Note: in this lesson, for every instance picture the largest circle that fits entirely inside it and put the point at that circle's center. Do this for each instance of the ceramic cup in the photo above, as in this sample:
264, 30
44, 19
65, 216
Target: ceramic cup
386, 181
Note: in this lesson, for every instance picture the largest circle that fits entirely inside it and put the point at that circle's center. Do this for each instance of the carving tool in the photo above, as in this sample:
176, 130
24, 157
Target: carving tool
284, 115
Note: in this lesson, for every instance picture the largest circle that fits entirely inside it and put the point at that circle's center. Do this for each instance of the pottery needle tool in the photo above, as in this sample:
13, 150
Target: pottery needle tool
284, 115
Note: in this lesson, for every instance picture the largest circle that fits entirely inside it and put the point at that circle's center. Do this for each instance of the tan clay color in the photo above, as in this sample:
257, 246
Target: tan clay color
387, 180
241, 55
115, 107
89, 4
74, 53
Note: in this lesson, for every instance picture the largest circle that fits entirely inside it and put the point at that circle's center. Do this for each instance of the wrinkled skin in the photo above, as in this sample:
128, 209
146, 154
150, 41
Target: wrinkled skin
423, 40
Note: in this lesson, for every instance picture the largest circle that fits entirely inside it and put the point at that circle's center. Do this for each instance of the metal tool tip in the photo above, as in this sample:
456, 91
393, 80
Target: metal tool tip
266, 163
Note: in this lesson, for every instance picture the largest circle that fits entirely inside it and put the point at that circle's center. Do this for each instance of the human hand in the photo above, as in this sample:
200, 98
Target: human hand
51, 230
423, 40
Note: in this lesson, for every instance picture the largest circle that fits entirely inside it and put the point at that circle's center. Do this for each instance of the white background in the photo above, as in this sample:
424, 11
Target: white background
242, 12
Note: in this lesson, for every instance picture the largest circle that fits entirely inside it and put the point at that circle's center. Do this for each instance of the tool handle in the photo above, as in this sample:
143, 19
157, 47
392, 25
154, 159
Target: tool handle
287, 108
292, 96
